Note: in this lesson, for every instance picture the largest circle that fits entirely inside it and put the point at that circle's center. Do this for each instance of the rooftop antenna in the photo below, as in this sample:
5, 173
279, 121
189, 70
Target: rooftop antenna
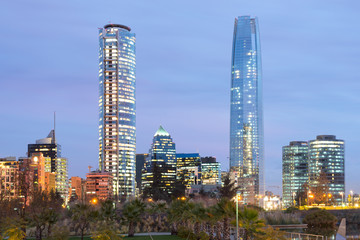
54, 140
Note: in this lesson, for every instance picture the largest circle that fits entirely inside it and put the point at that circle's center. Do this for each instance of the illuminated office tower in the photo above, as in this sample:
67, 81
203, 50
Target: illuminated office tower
53, 162
246, 123
327, 155
294, 170
117, 129
48, 147
188, 168
162, 155
210, 171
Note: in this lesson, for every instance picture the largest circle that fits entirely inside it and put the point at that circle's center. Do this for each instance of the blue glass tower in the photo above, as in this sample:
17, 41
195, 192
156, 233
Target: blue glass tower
246, 121
117, 128
162, 154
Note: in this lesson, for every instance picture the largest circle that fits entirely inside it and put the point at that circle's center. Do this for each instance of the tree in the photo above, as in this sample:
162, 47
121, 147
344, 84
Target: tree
44, 211
156, 210
131, 215
107, 211
320, 222
156, 190
228, 190
13, 229
82, 215
250, 222
320, 189
176, 214
225, 209
179, 189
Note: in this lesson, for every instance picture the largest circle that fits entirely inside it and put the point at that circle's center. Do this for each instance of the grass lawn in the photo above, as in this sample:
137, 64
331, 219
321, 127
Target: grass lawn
163, 237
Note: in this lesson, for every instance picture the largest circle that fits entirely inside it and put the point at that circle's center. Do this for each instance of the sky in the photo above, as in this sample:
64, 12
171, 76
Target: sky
310, 59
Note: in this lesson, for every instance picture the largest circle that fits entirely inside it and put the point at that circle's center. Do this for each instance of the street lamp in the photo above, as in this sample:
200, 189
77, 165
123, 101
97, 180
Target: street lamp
238, 198
342, 202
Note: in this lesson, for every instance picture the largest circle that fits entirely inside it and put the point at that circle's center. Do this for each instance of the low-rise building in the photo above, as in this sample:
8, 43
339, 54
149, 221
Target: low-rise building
99, 185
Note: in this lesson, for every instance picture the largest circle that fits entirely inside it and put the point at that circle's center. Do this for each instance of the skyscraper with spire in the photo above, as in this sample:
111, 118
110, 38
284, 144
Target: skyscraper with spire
246, 121
53, 162
117, 130
160, 165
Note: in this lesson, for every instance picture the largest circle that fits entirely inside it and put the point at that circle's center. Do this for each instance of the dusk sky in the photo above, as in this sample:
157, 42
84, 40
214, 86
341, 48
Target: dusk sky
310, 59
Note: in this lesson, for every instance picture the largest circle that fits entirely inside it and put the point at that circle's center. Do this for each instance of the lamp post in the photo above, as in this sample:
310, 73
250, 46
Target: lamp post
342, 202
238, 198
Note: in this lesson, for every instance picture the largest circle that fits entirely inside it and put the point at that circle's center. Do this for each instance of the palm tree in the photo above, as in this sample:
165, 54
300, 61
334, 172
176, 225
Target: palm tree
82, 215
108, 211
176, 214
250, 222
195, 214
212, 219
132, 214
156, 210
225, 209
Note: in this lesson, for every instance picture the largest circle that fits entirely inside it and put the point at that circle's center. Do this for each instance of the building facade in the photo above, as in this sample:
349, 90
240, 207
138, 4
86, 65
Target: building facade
117, 130
294, 170
327, 156
76, 189
9, 170
210, 171
140, 165
99, 185
48, 147
188, 169
246, 121
162, 156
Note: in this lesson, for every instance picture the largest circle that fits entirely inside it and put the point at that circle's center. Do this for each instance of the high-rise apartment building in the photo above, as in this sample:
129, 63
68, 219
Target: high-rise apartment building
294, 170
188, 168
327, 156
246, 121
9, 170
210, 171
117, 130
162, 156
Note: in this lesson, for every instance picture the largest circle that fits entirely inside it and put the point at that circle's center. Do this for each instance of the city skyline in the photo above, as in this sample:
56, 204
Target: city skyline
296, 62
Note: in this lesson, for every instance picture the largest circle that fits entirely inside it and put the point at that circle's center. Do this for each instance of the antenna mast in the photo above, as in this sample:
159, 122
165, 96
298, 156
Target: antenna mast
54, 126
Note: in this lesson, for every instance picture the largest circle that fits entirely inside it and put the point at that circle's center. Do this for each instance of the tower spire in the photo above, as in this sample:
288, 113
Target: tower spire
54, 139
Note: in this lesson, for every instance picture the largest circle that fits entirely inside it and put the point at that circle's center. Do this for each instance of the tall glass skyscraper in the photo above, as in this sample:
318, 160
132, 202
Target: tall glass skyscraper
117, 130
327, 156
295, 170
246, 121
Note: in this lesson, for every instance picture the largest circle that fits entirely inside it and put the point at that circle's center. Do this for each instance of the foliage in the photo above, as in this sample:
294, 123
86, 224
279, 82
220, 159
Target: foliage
270, 233
228, 190
281, 218
13, 229
156, 191
320, 222
250, 222
82, 215
189, 234
105, 232
132, 214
